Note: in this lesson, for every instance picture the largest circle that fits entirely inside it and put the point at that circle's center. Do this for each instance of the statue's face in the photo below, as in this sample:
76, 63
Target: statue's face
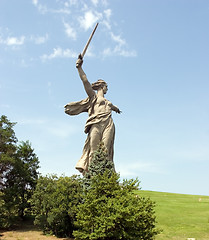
105, 89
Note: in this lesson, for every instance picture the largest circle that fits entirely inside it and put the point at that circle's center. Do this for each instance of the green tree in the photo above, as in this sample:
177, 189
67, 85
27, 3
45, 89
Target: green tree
21, 179
55, 203
8, 148
18, 173
110, 210
99, 164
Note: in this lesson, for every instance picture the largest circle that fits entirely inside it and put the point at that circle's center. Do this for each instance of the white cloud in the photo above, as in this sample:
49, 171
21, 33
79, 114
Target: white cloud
35, 2
71, 33
14, 41
117, 39
95, 2
61, 10
119, 49
107, 52
59, 53
71, 2
89, 19
108, 13
40, 39
43, 9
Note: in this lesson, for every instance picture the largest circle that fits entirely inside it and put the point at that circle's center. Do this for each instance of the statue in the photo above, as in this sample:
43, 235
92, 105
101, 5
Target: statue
99, 125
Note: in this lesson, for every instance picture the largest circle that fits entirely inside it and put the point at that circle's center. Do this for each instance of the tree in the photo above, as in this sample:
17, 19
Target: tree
55, 203
99, 164
22, 178
18, 173
8, 147
110, 210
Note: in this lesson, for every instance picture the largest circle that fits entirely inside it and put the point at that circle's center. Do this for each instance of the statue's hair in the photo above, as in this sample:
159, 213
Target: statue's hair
98, 84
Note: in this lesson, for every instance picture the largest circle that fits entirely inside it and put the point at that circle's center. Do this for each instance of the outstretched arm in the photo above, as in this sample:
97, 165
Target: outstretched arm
90, 92
116, 109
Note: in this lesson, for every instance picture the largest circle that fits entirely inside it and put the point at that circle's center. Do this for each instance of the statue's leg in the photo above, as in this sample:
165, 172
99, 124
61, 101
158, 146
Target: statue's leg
108, 138
95, 139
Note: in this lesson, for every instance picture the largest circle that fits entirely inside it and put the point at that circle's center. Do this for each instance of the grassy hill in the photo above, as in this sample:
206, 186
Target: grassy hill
180, 216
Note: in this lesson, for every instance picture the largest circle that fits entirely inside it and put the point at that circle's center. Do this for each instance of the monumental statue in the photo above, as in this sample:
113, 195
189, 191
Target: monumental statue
99, 125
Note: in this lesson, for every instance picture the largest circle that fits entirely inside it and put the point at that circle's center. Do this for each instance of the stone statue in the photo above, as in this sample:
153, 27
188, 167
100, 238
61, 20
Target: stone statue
99, 125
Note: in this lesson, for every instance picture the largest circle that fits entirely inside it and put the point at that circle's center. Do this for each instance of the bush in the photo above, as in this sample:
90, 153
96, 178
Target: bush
111, 211
54, 204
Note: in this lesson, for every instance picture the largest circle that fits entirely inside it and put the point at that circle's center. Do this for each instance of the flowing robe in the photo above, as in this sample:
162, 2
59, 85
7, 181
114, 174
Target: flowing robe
98, 125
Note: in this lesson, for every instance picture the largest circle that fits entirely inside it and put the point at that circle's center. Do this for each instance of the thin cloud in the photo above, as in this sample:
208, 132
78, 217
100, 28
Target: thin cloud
71, 33
86, 15
4, 105
117, 39
30, 121
39, 39
57, 128
43, 9
95, 2
120, 49
18, 41
35, 2
108, 13
125, 53
61, 11
133, 169
59, 53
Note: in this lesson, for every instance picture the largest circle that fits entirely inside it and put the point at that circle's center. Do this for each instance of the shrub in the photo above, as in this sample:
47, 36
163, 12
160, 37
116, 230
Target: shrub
111, 211
55, 200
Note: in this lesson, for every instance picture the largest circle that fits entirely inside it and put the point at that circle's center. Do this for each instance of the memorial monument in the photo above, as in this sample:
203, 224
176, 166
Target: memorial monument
99, 125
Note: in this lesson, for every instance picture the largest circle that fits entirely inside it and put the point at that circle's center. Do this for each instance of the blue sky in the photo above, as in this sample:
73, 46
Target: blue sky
154, 55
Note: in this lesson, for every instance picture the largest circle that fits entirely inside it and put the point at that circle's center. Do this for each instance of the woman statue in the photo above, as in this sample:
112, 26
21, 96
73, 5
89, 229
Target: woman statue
99, 125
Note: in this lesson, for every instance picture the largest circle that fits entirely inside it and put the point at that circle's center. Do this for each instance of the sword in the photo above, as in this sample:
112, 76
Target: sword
81, 55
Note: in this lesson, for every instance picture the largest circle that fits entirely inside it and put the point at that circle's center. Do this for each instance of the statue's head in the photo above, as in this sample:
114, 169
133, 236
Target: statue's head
100, 84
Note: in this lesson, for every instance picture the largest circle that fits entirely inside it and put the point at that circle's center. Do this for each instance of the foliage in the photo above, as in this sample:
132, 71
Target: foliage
110, 210
99, 164
55, 201
8, 147
18, 174
21, 179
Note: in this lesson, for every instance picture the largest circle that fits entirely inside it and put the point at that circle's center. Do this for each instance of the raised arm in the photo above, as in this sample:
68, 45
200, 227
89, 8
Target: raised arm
88, 88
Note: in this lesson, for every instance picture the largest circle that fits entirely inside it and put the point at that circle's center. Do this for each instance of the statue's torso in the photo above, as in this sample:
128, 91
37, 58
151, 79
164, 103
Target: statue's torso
101, 105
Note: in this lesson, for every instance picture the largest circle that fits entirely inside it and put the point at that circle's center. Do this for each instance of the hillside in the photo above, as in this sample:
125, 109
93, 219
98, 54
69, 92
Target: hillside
180, 216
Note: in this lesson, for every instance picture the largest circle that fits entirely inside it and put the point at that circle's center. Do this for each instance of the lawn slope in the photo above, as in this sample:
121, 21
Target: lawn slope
180, 216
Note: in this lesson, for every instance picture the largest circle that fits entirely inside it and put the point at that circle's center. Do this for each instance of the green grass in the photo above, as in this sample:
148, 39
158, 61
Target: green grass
180, 216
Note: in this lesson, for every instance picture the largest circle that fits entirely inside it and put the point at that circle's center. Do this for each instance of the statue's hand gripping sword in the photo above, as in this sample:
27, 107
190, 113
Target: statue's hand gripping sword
81, 55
